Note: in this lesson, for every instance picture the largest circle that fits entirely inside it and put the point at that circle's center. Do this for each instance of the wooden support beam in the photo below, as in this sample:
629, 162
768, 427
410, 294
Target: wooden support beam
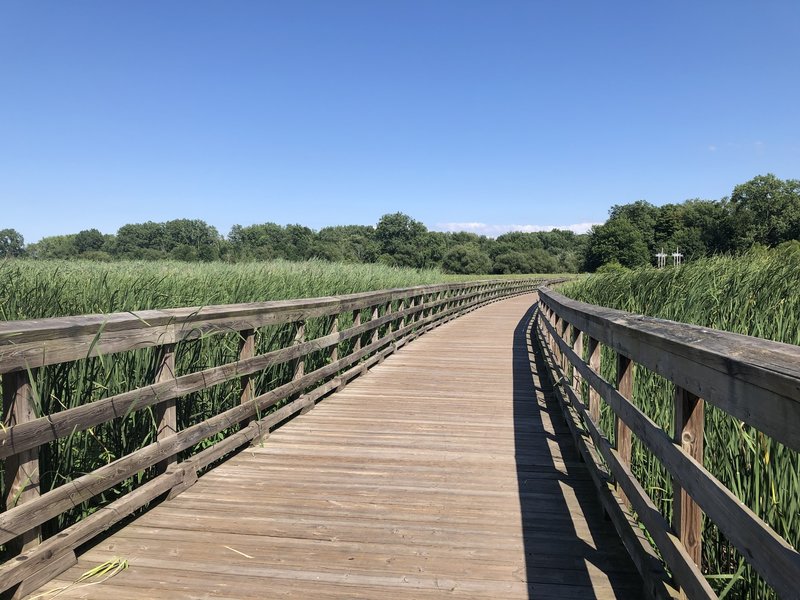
687, 518
166, 415
594, 364
375, 332
334, 355
21, 477
622, 433
357, 323
247, 349
299, 365
577, 345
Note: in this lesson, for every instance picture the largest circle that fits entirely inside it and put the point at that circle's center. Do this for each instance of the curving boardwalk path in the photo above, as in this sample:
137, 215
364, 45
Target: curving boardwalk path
444, 472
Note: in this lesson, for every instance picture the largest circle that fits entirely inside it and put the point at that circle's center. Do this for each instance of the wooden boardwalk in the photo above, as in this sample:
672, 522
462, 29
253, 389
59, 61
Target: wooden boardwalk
446, 471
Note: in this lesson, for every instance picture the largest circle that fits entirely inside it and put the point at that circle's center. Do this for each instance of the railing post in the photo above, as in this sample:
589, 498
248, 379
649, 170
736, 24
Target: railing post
357, 323
299, 363
686, 514
622, 437
21, 477
247, 349
165, 412
564, 360
577, 345
334, 356
594, 395
375, 314
556, 329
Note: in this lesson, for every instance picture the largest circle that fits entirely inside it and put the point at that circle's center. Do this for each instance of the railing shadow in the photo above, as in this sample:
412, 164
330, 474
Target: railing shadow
564, 557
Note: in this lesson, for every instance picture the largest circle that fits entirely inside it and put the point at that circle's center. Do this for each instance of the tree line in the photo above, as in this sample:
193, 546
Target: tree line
396, 240
764, 210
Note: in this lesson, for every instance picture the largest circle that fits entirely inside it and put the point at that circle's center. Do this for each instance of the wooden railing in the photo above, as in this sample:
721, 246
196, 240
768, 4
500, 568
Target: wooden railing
755, 381
377, 323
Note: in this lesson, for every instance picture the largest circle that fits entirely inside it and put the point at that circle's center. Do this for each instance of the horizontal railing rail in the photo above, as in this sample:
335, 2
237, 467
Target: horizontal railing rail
374, 324
754, 380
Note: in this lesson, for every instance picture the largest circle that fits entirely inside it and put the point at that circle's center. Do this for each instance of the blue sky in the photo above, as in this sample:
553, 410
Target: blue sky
485, 114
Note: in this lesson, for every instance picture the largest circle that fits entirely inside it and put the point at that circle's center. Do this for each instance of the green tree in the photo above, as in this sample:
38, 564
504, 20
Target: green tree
11, 243
54, 246
191, 239
299, 242
512, 262
466, 259
142, 240
642, 215
264, 241
89, 240
618, 240
766, 210
348, 243
399, 239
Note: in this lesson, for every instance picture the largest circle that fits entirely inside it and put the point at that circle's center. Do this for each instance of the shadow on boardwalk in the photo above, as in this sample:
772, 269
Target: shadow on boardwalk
567, 541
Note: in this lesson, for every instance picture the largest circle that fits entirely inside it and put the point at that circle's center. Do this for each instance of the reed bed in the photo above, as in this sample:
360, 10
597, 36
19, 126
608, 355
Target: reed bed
756, 294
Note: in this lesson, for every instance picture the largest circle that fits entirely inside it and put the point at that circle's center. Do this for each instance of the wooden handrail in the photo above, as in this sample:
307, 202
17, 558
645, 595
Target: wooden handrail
39, 342
26, 346
754, 380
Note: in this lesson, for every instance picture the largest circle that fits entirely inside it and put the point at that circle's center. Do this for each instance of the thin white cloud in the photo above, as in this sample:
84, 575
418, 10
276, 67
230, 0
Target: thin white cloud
495, 230
712, 148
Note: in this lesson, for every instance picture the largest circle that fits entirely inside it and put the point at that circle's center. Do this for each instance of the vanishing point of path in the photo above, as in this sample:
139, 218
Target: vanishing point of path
446, 471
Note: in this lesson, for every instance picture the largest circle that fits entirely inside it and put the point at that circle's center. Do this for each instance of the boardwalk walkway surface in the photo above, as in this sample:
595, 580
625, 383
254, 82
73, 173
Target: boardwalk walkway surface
444, 472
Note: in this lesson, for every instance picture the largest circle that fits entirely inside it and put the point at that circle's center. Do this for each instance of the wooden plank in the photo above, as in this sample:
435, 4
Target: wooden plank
33, 561
757, 381
53, 569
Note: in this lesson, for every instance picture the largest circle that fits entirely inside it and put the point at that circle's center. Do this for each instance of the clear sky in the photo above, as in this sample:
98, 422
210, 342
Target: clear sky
481, 113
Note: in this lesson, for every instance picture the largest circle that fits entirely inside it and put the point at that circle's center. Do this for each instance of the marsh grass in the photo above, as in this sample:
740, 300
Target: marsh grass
759, 295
